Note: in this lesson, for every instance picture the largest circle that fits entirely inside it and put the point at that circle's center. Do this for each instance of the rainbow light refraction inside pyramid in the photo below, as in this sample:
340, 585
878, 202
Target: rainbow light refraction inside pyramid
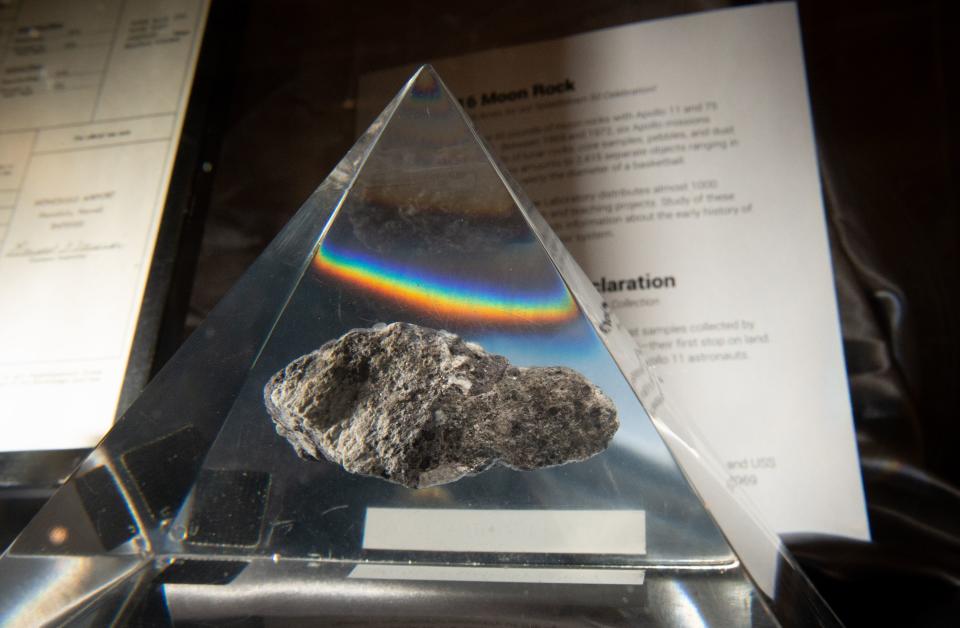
426, 290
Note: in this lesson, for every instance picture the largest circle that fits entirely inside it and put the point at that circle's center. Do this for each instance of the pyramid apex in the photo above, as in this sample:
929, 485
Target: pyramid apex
426, 81
425, 68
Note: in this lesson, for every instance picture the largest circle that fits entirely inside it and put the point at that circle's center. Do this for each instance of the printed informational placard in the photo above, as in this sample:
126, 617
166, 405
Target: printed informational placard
519, 531
539, 575
92, 102
676, 160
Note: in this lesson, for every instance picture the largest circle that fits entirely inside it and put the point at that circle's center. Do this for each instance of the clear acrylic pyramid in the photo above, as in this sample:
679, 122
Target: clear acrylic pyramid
196, 507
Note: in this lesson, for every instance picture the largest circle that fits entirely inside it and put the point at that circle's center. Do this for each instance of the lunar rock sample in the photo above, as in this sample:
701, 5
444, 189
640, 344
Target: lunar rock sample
422, 407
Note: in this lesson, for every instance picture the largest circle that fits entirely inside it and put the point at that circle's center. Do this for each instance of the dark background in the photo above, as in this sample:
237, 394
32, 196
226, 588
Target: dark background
273, 112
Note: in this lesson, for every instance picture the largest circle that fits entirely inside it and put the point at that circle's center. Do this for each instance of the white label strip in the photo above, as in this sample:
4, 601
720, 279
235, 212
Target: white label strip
498, 574
519, 531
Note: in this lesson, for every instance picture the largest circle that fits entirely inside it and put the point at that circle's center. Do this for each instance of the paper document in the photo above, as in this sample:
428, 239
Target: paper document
675, 158
92, 100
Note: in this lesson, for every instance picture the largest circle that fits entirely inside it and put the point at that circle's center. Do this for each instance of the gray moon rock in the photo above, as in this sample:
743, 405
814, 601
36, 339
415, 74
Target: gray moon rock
422, 407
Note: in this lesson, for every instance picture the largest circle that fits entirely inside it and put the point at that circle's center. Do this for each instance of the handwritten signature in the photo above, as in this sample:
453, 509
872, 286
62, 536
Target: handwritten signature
70, 248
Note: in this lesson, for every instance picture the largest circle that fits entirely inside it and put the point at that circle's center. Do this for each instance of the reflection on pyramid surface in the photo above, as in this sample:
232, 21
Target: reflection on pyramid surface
195, 508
